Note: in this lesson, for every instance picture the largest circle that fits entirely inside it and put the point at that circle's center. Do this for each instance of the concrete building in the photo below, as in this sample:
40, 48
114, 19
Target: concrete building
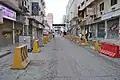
13, 21
72, 16
102, 17
49, 19
36, 19
21, 17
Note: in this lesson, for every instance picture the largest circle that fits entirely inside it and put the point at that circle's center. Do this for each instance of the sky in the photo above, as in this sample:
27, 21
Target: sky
58, 8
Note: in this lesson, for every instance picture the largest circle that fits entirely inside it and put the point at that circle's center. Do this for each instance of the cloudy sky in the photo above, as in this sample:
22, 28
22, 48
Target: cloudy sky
57, 7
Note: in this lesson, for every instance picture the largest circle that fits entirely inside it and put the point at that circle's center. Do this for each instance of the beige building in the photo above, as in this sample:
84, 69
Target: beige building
13, 21
71, 15
49, 19
21, 20
102, 17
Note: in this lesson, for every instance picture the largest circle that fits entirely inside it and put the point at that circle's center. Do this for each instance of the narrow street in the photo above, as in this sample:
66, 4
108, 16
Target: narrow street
61, 59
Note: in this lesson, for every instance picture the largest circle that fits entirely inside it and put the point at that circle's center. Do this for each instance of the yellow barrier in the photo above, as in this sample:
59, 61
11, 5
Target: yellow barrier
45, 40
78, 40
20, 58
95, 45
84, 42
36, 47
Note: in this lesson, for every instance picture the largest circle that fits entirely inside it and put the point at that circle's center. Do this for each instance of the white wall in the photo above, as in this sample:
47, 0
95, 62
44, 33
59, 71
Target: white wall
49, 19
108, 6
71, 9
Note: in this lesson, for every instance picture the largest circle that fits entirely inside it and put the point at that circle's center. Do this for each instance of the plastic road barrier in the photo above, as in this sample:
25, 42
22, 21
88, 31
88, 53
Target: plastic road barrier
111, 50
20, 60
36, 47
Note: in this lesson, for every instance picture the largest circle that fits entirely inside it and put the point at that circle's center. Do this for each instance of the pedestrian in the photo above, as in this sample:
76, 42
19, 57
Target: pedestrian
86, 35
53, 34
90, 35
80, 35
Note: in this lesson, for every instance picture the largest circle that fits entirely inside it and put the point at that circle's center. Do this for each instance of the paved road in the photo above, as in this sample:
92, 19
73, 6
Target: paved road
72, 62
61, 59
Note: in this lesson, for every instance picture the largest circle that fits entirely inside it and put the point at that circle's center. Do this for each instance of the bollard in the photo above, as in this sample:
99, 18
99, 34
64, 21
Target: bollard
36, 48
20, 60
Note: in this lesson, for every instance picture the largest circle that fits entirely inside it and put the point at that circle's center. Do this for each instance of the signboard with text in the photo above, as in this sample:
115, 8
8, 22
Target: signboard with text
35, 8
8, 13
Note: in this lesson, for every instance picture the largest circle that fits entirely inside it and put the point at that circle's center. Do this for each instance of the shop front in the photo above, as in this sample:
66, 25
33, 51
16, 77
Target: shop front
113, 28
92, 29
7, 25
101, 30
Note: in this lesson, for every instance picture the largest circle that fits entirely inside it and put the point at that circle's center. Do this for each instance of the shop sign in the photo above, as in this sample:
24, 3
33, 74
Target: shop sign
35, 8
1, 18
111, 14
8, 13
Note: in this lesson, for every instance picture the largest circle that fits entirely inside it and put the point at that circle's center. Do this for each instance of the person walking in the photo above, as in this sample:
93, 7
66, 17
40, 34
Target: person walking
53, 34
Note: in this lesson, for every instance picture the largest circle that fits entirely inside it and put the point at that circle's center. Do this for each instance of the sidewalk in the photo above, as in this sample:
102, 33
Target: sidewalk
7, 50
115, 60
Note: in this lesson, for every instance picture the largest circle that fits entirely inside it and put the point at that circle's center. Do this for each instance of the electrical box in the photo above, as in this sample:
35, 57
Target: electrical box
25, 40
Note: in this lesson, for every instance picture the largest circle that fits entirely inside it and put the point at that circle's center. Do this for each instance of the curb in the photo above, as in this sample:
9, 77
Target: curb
99, 54
3, 55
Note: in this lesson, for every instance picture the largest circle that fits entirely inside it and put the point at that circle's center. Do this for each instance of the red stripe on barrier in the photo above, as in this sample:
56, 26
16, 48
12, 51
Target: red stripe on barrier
110, 50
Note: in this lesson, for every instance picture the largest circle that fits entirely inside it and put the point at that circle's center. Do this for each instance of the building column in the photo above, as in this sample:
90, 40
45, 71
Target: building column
27, 30
96, 31
13, 32
23, 30
119, 27
106, 29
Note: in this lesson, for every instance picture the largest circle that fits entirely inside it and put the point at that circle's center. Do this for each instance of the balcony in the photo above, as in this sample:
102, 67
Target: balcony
82, 7
11, 3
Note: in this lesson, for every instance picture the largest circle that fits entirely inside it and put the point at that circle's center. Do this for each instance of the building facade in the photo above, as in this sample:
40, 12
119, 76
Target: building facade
49, 19
13, 21
72, 16
101, 17
21, 17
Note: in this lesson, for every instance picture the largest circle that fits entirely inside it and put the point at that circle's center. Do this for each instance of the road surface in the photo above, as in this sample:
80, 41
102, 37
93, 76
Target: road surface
62, 59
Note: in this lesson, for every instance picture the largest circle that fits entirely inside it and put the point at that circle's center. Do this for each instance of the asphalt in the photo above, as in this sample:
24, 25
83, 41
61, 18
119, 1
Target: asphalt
62, 59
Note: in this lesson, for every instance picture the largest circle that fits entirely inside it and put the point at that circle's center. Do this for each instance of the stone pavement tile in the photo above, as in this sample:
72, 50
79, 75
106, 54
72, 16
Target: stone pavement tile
9, 74
7, 50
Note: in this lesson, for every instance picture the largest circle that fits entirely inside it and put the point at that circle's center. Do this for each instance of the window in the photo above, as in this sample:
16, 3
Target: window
113, 2
82, 3
25, 3
78, 7
102, 6
22, 3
